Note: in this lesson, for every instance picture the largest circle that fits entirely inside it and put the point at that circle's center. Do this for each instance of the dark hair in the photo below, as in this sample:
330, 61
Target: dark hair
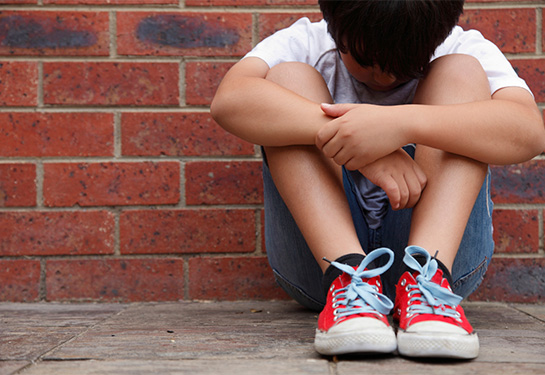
400, 36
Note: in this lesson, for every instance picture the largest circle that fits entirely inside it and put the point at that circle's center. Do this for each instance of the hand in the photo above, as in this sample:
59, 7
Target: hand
359, 134
399, 176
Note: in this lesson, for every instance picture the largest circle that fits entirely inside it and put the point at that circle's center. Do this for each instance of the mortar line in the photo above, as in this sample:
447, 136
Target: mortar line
182, 203
181, 84
117, 136
39, 184
113, 34
258, 235
40, 93
255, 29
42, 292
117, 231
185, 269
540, 249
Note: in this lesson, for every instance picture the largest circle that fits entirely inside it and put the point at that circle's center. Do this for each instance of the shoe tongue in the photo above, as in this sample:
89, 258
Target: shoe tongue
438, 277
442, 270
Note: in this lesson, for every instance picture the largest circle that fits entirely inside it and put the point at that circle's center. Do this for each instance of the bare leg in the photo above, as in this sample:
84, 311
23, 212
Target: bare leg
311, 184
440, 217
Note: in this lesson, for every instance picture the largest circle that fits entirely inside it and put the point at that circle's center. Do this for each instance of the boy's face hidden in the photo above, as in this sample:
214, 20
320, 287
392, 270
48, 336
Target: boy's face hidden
371, 76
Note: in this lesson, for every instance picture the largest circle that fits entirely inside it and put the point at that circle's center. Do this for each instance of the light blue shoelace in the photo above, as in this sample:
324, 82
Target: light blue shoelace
359, 296
434, 298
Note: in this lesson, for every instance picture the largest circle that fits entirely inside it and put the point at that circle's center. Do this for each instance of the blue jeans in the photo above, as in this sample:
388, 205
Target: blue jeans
298, 273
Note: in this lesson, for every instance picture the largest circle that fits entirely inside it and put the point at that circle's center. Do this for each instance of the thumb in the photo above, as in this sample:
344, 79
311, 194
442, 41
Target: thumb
336, 110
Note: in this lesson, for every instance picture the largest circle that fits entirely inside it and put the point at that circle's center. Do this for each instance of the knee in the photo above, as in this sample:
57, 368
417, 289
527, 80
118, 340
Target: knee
454, 79
464, 69
300, 78
284, 73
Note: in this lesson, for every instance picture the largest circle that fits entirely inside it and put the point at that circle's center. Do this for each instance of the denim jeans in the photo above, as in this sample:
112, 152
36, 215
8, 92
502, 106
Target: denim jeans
298, 273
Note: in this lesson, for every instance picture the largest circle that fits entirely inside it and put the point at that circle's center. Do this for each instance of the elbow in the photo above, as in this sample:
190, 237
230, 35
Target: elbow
217, 110
224, 111
539, 146
535, 140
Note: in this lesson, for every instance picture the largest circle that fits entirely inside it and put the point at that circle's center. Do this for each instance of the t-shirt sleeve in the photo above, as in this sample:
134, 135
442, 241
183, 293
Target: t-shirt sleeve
498, 69
303, 41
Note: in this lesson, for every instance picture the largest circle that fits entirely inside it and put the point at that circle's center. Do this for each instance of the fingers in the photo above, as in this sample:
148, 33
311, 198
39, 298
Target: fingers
323, 136
404, 189
328, 132
336, 110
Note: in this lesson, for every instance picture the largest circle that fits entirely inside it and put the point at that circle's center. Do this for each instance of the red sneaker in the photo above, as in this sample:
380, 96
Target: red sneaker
431, 321
354, 317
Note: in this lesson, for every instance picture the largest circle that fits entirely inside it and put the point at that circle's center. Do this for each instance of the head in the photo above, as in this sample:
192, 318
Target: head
397, 37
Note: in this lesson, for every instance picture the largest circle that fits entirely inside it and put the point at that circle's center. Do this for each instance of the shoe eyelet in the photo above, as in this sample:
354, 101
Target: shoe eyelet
378, 283
403, 282
332, 288
407, 288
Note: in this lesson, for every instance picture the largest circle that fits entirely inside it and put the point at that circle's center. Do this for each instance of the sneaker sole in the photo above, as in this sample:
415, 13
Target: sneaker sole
370, 342
437, 345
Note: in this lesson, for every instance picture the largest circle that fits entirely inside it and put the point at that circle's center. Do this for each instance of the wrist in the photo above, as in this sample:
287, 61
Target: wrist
412, 123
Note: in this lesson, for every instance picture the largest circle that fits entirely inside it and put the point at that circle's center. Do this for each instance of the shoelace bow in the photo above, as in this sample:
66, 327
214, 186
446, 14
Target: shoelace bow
359, 296
434, 298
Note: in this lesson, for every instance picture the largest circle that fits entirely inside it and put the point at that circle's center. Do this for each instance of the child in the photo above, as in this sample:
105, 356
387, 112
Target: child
398, 170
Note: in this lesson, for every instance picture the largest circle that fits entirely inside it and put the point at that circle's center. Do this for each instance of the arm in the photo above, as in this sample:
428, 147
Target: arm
262, 112
399, 176
506, 129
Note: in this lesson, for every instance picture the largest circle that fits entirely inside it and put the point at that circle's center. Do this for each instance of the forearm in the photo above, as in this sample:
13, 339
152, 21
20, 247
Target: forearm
267, 114
491, 131
271, 107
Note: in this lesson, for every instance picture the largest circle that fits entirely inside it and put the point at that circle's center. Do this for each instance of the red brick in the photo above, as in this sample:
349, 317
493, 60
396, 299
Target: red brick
248, 2
19, 280
56, 134
497, 25
178, 134
56, 233
123, 280
263, 244
519, 280
516, 231
269, 23
17, 185
113, 2
232, 279
187, 231
543, 31
54, 33
18, 83
520, 183
112, 184
210, 182
187, 34
202, 80
533, 71
18, 1
109, 83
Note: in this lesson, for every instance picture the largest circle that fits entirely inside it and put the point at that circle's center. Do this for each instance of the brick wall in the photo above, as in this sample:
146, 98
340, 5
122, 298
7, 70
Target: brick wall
116, 184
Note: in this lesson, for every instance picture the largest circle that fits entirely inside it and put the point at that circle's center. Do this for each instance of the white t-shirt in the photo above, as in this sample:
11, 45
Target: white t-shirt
310, 43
